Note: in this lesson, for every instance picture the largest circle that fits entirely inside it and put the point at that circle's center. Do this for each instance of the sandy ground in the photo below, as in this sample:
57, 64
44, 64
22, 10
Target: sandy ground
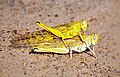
19, 16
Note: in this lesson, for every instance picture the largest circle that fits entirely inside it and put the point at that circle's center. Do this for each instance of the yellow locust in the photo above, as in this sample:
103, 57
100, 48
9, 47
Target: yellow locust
63, 31
43, 41
67, 30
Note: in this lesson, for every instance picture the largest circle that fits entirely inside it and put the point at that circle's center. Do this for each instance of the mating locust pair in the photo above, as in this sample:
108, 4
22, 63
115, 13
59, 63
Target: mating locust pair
63, 39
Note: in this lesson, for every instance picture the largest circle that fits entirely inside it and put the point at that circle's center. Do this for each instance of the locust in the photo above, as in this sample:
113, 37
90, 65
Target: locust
66, 31
55, 45
49, 33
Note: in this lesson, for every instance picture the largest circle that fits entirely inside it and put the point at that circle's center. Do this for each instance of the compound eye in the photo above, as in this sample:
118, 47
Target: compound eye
83, 22
94, 37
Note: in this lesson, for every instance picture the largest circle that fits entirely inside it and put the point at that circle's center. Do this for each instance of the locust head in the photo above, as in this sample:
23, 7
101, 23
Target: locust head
84, 25
94, 38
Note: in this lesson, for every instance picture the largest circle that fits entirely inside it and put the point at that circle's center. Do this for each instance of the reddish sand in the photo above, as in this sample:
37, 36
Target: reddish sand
19, 16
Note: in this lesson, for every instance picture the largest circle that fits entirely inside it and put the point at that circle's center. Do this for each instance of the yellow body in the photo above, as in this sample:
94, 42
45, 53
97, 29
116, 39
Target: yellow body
46, 42
67, 30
